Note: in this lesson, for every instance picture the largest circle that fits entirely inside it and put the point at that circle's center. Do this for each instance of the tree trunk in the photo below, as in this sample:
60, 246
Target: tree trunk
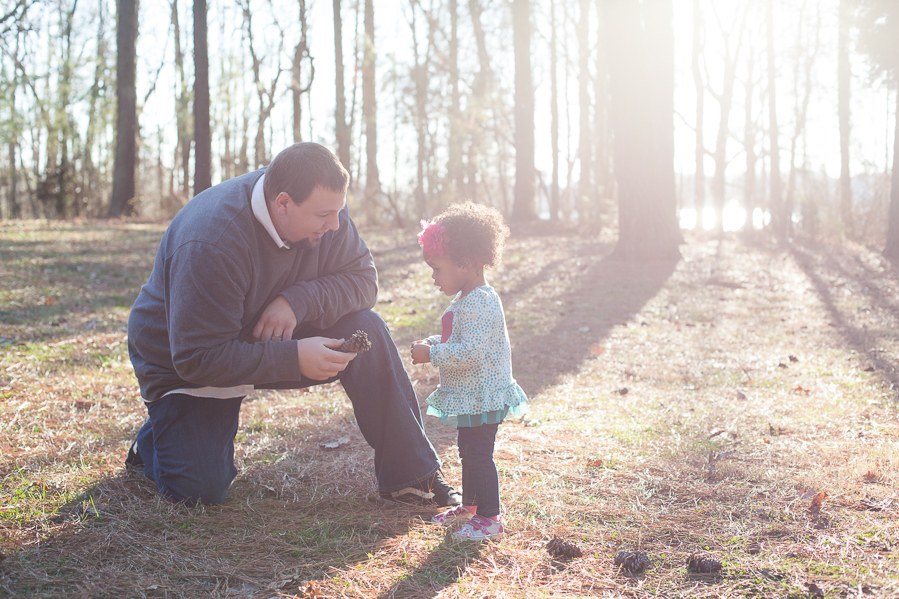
601, 135
369, 115
456, 129
202, 132
478, 102
844, 75
341, 129
420, 85
779, 217
699, 85
749, 141
801, 109
891, 250
523, 208
642, 123
301, 52
554, 115
126, 111
182, 102
725, 104
585, 147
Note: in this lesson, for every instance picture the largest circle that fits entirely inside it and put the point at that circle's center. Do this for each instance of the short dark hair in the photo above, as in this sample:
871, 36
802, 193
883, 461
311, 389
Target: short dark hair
300, 168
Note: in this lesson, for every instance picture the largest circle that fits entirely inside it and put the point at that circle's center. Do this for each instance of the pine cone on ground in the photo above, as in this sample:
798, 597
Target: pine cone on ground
560, 549
699, 563
632, 562
358, 343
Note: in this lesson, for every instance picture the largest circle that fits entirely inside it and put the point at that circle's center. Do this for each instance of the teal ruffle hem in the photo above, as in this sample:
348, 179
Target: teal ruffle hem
513, 395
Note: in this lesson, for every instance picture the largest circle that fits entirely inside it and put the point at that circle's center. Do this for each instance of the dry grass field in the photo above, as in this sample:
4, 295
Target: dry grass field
697, 406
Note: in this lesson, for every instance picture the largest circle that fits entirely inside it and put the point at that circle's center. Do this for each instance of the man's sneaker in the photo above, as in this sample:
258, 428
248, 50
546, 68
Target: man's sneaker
134, 460
480, 528
433, 492
450, 515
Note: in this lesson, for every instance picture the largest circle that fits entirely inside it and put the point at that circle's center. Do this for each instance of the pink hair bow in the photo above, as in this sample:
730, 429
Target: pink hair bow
433, 238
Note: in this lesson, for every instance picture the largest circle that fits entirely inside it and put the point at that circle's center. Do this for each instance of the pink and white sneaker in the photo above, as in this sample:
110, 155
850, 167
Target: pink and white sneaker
449, 516
481, 528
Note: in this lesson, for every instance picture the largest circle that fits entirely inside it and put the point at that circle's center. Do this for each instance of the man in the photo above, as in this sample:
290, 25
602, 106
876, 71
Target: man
256, 282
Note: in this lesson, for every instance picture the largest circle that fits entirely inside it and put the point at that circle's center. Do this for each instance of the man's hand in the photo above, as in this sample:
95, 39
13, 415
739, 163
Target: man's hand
319, 358
421, 352
277, 321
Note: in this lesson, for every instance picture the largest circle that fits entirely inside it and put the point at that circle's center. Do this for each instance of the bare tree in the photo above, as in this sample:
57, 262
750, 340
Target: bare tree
478, 101
265, 94
183, 115
801, 70
123, 185
456, 131
699, 85
844, 76
369, 115
523, 208
341, 127
554, 114
725, 103
585, 137
779, 217
202, 129
297, 89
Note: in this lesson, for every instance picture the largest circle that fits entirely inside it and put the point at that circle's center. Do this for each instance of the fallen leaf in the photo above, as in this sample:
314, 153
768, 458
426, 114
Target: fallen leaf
782, 365
310, 590
800, 389
335, 444
594, 463
50, 301
871, 477
817, 503
598, 350
869, 369
623, 391
794, 359
741, 395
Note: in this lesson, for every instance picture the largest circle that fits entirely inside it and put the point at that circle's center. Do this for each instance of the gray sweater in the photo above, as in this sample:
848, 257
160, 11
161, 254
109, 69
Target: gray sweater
216, 270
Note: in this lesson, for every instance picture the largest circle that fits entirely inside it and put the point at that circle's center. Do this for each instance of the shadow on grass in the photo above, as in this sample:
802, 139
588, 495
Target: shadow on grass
443, 567
823, 265
607, 293
119, 538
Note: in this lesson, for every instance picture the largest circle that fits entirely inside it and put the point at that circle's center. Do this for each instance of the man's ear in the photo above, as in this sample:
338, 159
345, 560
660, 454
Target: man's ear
281, 203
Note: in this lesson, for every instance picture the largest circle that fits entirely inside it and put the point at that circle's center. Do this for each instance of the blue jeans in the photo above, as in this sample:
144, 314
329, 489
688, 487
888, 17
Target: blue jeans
187, 443
480, 482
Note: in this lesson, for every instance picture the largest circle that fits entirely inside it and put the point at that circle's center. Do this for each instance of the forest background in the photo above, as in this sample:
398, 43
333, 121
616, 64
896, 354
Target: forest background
417, 100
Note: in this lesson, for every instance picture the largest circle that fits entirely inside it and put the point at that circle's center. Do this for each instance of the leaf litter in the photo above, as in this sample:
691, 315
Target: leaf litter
296, 514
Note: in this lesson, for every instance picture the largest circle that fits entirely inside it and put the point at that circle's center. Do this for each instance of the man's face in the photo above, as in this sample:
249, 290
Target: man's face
306, 223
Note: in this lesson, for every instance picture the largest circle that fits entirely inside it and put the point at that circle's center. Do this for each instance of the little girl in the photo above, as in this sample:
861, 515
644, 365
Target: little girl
473, 356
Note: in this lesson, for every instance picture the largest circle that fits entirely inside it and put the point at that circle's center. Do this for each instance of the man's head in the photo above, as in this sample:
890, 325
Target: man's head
305, 186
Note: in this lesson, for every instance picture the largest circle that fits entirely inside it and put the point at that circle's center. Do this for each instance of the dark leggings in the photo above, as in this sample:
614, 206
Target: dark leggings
480, 482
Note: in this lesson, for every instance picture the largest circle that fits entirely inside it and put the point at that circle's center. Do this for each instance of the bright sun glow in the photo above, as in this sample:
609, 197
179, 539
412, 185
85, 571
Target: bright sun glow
734, 218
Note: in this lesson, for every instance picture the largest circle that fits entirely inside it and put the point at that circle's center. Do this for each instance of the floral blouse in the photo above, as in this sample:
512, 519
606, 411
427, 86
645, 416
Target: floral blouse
474, 358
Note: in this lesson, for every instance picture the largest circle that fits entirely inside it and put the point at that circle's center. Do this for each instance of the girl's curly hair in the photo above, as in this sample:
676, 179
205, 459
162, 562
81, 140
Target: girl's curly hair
475, 231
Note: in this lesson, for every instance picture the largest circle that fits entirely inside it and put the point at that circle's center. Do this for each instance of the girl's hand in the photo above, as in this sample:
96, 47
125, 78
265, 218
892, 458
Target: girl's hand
421, 352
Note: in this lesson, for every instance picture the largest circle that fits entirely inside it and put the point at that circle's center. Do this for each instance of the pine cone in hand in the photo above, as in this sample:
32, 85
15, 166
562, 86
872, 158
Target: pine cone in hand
632, 562
699, 563
560, 549
358, 343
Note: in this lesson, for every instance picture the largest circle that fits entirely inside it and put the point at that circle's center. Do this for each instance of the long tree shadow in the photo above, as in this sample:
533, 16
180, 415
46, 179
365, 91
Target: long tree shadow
606, 293
828, 269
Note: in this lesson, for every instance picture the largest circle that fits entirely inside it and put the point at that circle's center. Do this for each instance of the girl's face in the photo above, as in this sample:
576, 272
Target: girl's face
450, 277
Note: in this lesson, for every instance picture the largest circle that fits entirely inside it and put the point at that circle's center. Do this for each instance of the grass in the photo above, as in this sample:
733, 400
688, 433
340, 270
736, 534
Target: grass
667, 417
